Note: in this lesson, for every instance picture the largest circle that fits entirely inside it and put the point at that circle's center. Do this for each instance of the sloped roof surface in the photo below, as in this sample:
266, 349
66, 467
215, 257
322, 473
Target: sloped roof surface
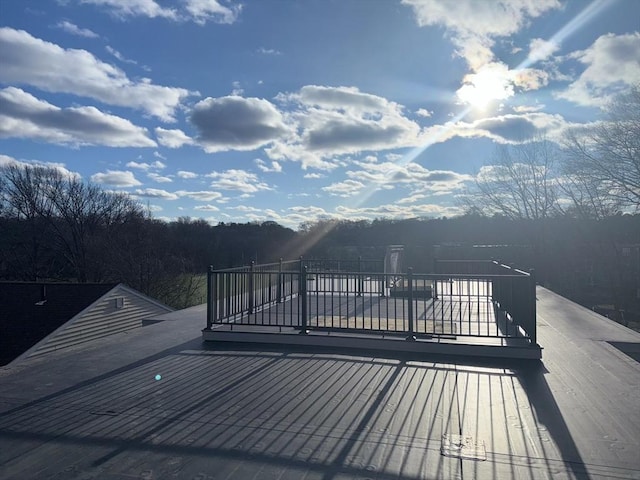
158, 403
31, 311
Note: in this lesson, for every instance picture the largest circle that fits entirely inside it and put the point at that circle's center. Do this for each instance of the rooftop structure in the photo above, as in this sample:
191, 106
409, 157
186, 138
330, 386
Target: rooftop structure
157, 402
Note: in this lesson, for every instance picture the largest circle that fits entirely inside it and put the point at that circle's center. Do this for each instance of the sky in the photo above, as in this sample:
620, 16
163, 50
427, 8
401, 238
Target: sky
299, 110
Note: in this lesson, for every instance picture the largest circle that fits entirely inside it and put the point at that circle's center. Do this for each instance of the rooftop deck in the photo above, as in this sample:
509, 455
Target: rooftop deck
482, 309
159, 403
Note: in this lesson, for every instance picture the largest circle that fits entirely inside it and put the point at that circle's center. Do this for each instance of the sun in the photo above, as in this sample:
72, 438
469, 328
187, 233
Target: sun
489, 84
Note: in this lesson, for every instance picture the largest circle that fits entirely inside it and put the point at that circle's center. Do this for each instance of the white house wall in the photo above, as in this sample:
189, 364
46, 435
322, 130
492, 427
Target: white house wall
104, 317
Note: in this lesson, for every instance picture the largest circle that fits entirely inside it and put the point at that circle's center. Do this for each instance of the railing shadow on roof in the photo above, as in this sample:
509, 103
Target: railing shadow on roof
319, 413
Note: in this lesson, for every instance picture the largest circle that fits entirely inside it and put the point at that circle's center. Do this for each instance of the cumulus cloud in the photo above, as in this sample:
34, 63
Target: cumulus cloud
240, 180
198, 11
159, 178
274, 167
540, 49
73, 29
157, 165
186, 174
155, 193
202, 196
348, 188
236, 123
173, 138
413, 175
24, 116
423, 112
335, 121
116, 178
29, 60
207, 208
611, 64
510, 128
201, 11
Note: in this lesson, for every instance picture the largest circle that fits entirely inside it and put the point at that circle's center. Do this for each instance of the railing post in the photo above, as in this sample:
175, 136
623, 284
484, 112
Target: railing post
411, 337
359, 282
303, 298
279, 288
251, 284
533, 307
211, 297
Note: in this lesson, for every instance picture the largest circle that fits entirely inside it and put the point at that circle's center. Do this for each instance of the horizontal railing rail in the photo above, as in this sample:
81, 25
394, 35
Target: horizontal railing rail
461, 300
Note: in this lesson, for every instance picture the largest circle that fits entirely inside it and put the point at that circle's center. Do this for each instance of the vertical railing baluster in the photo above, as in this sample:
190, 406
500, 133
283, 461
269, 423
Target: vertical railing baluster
251, 281
411, 336
211, 298
280, 280
303, 294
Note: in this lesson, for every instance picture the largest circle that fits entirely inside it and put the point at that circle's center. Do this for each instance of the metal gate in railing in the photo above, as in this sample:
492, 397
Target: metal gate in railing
489, 300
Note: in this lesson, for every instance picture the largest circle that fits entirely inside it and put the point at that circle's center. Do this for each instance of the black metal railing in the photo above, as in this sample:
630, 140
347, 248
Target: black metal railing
480, 299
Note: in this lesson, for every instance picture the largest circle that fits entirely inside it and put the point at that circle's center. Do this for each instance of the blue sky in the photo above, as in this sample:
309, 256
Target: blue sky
293, 111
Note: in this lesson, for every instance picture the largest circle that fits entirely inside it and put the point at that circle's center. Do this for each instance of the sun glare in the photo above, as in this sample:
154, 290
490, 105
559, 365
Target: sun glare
489, 84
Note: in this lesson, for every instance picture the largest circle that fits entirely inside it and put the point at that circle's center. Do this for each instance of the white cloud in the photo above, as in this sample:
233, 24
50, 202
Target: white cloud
414, 175
275, 167
24, 116
202, 196
423, 112
159, 178
172, 138
473, 25
116, 178
335, 121
73, 29
155, 193
611, 65
237, 88
240, 180
398, 211
510, 128
198, 11
6, 160
236, 123
314, 176
157, 165
201, 11
134, 8
540, 49
119, 56
187, 175
414, 198
347, 188
207, 208
29, 60
268, 51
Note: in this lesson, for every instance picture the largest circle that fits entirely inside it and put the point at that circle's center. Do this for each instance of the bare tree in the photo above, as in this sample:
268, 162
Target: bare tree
79, 215
519, 183
609, 153
23, 198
